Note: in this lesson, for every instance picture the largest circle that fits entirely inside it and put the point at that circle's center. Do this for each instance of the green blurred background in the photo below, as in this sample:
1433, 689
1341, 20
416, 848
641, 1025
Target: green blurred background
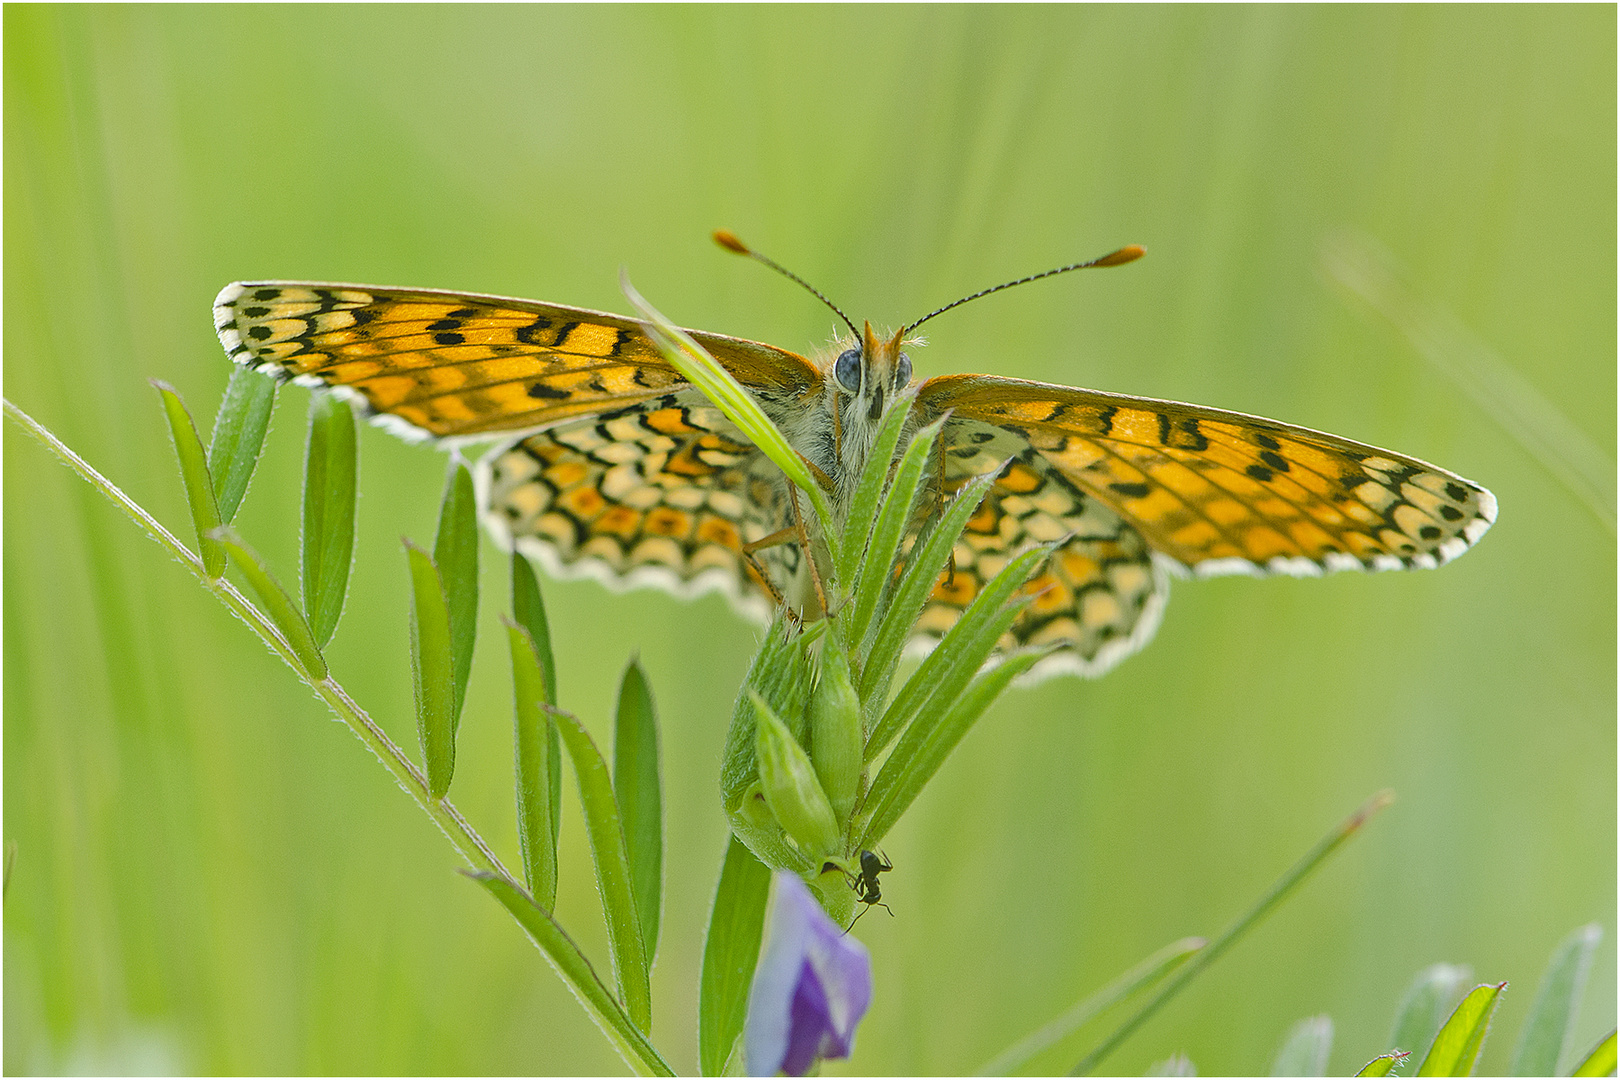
213, 877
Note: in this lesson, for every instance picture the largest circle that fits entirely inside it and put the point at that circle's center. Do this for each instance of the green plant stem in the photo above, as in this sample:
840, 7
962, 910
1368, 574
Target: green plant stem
1263, 907
456, 828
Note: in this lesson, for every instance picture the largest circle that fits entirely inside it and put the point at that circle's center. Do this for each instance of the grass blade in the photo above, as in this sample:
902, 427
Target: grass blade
864, 503
194, 472
536, 751
639, 787
1601, 1061
606, 832
330, 463
577, 972
1274, 896
877, 569
430, 670
736, 927
455, 553
530, 612
238, 439
1305, 1051
1385, 1064
1456, 1048
278, 604
1552, 1014
1425, 1006
943, 667
1141, 976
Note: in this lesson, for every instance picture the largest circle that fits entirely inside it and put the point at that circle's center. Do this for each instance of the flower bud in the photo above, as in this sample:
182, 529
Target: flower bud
836, 741
789, 783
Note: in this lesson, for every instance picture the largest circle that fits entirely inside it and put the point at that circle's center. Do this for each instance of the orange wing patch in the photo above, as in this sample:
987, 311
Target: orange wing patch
1220, 492
665, 494
458, 365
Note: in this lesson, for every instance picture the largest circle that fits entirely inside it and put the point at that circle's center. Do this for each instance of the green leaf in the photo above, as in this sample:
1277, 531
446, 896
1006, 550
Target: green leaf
278, 605
1141, 976
863, 504
927, 559
1305, 1051
925, 746
1174, 1065
194, 471
959, 653
837, 743
239, 429
736, 927
1456, 1047
1425, 1005
1280, 890
1601, 1061
637, 783
530, 612
1384, 1064
781, 672
537, 751
631, 1044
1552, 1014
877, 568
603, 826
430, 670
455, 553
330, 462
729, 396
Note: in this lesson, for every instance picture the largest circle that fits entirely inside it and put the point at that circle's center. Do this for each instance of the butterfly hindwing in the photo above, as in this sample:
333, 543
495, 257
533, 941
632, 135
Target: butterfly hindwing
663, 493
459, 365
1220, 492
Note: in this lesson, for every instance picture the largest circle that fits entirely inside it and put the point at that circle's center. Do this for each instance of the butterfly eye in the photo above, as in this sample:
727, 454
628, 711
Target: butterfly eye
848, 370
902, 371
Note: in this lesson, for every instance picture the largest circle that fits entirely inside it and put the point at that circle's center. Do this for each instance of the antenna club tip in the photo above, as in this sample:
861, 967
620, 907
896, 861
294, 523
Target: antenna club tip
1128, 253
728, 240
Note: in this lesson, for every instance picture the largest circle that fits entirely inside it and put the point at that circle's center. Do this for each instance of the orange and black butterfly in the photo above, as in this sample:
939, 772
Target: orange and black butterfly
614, 467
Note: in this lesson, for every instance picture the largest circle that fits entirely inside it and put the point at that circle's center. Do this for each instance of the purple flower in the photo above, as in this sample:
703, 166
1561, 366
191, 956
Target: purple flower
811, 988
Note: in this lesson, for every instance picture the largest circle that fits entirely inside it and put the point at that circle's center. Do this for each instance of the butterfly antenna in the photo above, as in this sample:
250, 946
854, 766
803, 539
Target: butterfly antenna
1129, 253
728, 240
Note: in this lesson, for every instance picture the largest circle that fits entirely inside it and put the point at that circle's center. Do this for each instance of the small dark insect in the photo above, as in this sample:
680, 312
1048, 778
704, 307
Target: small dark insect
865, 884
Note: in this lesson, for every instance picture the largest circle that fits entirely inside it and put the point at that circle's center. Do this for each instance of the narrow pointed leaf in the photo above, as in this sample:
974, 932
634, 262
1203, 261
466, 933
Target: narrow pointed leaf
863, 505
239, 429
194, 471
1456, 1047
1384, 1064
606, 832
430, 670
639, 787
920, 754
877, 568
1141, 976
943, 665
330, 463
736, 927
928, 557
1601, 1061
627, 1039
1552, 1014
1425, 1005
455, 553
781, 673
530, 612
1305, 1051
535, 747
278, 604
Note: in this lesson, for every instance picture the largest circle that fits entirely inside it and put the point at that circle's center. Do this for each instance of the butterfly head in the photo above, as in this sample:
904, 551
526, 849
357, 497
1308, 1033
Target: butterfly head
871, 372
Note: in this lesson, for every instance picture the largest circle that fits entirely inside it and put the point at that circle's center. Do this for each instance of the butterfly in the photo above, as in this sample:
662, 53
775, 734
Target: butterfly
612, 466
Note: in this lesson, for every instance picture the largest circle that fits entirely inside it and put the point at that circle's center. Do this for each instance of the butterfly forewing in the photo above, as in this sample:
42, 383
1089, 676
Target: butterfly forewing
1220, 492
457, 365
